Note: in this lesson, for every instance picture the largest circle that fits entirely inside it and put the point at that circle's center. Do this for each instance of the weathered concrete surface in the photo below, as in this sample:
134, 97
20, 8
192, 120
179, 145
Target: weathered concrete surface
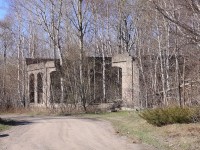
64, 133
130, 78
44, 67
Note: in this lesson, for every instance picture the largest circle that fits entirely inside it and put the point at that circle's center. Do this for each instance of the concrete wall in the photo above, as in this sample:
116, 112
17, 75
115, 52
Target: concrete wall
45, 68
130, 79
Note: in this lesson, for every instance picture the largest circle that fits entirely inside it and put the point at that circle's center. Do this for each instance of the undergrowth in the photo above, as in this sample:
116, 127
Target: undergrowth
171, 115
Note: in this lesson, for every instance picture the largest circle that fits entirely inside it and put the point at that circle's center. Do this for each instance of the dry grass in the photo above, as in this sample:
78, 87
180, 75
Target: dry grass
43, 111
181, 136
15, 111
171, 137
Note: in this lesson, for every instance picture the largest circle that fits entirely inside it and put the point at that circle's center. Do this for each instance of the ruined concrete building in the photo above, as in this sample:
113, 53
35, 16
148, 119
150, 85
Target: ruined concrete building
41, 74
121, 81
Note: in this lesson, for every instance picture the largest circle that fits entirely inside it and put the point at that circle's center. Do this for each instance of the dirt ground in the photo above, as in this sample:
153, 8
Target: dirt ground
63, 133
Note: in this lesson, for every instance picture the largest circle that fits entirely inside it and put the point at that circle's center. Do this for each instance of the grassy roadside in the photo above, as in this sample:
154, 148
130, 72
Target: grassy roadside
170, 137
4, 125
177, 136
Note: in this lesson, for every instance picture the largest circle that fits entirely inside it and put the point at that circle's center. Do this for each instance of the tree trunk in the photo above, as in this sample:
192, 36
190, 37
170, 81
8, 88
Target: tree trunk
4, 71
104, 73
161, 63
81, 36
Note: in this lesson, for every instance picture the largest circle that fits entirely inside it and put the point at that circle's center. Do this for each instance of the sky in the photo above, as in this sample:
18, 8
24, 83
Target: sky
3, 8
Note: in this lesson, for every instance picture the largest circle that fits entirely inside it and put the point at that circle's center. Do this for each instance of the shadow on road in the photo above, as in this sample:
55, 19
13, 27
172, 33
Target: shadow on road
14, 123
87, 118
3, 135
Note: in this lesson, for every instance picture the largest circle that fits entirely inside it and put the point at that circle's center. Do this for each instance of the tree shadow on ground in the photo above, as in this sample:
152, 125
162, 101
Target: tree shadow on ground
13, 122
3, 135
87, 118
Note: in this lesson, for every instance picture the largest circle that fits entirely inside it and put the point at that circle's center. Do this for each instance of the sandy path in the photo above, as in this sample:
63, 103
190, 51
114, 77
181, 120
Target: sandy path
63, 133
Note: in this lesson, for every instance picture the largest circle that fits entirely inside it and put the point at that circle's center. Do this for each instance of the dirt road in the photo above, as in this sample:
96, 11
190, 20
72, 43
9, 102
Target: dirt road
63, 133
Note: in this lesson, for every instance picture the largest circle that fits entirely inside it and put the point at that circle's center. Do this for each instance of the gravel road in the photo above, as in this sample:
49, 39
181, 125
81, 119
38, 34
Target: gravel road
63, 133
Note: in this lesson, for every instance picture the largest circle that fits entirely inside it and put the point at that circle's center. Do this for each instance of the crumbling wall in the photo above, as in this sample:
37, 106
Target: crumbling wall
130, 78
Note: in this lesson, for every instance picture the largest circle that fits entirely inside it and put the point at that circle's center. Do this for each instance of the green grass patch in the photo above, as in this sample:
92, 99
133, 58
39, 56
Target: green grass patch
4, 124
3, 127
7, 123
170, 137
131, 125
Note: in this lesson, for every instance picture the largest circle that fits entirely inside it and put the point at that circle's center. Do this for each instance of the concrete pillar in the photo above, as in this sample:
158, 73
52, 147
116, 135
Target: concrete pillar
44, 80
35, 89
46, 87
28, 89
130, 79
136, 84
48, 93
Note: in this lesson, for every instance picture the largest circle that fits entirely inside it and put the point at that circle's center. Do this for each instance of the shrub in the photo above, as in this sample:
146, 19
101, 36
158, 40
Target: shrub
170, 115
196, 114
